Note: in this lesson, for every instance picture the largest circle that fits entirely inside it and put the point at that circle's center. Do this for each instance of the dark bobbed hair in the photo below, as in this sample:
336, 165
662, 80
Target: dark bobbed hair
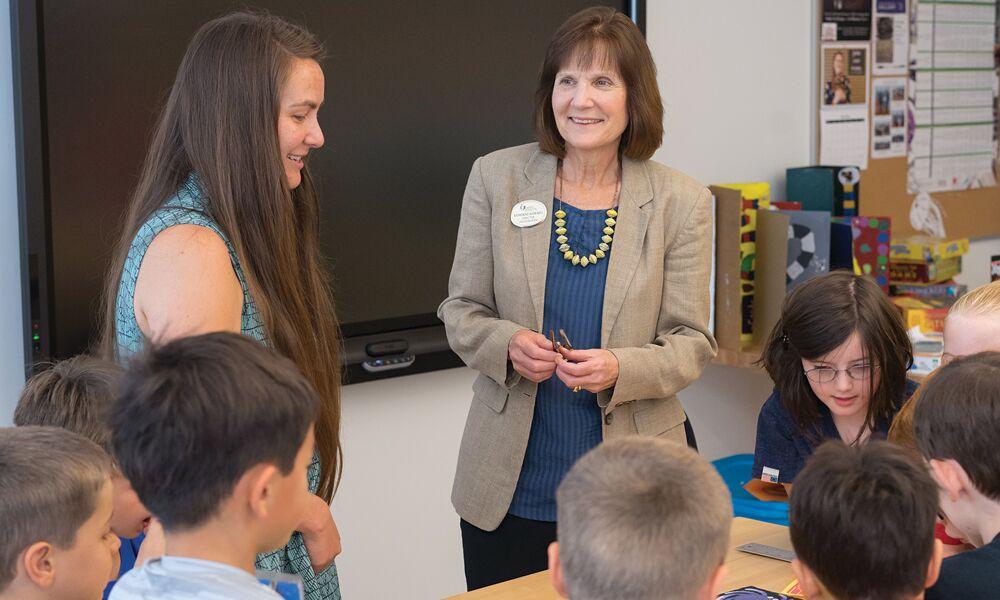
603, 33
195, 414
220, 122
819, 316
862, 519
50, 484
958, 416
73, 394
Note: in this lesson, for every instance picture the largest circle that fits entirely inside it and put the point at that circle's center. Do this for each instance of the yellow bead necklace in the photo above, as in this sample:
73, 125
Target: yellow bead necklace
562, 232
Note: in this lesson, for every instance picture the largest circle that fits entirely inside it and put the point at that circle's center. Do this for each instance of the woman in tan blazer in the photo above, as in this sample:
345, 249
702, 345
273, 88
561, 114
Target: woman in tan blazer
579, 292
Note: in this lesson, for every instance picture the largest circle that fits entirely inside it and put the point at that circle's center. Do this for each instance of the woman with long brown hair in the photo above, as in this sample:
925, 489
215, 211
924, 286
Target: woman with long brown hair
221, 235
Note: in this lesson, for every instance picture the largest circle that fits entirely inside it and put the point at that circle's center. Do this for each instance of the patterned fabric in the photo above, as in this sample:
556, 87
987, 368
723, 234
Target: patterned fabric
565, 425
189, 207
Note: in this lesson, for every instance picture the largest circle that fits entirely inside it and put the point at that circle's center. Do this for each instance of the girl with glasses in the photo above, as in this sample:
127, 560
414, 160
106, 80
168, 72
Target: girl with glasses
838, 358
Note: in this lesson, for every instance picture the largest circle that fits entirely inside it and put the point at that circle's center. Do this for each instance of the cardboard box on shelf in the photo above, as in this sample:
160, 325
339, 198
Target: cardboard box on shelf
936, 271
922, 248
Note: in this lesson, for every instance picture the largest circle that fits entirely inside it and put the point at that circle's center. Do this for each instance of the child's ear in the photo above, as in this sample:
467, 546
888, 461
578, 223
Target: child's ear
951, 477
807, 581
38, 565
934, 567
258, 483
555, 570
713, 587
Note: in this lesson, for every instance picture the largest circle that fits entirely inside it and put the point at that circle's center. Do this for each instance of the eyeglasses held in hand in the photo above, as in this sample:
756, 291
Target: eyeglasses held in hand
828, 374
555, 344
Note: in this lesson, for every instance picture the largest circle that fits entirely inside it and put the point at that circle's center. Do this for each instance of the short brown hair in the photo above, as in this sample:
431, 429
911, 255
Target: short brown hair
628, 512
862, 519
73, 394
50, 481
958, 416
606, 31
819, 316
195, 414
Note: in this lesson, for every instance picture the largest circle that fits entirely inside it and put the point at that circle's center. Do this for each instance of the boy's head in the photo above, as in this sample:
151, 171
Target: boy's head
217, 426
641, 517
76, 394
862, 523
955, 424
973, 323
55, 511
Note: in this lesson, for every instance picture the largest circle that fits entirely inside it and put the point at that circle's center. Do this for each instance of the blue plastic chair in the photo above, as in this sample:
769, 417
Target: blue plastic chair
735, 471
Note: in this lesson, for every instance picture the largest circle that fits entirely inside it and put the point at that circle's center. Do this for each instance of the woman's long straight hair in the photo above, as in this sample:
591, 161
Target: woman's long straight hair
220, 122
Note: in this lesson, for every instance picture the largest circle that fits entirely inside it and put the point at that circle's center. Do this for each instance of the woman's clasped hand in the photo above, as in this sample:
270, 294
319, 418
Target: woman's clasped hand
533, 356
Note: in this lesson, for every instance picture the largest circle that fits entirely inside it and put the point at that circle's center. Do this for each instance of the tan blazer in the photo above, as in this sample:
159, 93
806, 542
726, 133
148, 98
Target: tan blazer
655, 315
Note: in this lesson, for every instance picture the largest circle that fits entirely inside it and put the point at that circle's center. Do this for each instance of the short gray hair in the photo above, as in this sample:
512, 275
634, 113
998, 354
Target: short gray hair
50, 480
641, 518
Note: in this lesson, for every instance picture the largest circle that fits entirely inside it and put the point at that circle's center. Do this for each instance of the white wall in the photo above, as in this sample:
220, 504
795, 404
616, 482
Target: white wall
736, 79
726, 85
976, 264
12, 359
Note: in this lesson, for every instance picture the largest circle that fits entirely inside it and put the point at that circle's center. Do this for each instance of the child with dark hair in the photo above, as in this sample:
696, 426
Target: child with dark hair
216, 434
55, 511
956, 424
862, 524
838, 357
75, 394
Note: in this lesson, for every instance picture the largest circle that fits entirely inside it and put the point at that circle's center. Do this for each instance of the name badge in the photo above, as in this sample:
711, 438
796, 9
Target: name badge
769, 475
528, 213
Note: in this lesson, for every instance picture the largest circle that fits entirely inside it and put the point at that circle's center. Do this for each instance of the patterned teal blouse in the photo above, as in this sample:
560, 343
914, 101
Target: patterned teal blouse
189, 207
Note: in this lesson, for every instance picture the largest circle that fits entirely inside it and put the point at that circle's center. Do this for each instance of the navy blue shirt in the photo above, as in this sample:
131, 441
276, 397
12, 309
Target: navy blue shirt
782, 446
127, 552
565, 425
973, 574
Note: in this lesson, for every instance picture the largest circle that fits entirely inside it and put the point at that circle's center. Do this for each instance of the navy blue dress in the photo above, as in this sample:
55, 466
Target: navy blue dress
783, 447
565, 425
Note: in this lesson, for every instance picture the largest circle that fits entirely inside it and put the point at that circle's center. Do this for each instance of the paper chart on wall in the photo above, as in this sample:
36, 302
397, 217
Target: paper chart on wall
888, 117
891, 38
952, 96
844, 110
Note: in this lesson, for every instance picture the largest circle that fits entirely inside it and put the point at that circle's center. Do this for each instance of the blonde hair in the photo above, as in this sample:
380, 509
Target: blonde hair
628, 512
983, 300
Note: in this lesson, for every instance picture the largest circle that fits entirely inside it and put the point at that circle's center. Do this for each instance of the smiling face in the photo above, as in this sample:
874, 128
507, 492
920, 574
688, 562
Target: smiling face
298, 124
847, 398
589, 103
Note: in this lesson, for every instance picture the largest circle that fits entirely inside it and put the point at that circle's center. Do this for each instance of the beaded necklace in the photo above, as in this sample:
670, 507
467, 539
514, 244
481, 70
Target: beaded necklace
562, 237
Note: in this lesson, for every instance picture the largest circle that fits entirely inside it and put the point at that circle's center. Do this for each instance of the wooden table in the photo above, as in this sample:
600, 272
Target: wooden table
742, 569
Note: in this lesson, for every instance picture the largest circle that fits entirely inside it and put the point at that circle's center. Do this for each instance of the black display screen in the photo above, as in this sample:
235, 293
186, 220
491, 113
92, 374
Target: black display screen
415, 91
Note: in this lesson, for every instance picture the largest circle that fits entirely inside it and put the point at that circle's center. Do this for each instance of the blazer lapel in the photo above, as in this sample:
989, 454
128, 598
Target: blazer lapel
540, 173
630, 233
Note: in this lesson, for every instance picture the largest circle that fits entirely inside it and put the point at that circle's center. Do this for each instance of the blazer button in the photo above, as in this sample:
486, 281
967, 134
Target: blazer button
608, 418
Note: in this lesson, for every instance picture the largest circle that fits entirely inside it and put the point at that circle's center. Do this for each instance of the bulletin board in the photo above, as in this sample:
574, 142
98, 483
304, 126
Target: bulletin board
972, 213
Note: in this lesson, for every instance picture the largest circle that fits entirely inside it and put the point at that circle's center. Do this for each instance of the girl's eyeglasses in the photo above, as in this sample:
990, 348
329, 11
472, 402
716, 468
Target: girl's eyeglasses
828, 374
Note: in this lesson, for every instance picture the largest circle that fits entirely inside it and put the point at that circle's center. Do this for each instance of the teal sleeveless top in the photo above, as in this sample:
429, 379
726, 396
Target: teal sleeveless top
189, 206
